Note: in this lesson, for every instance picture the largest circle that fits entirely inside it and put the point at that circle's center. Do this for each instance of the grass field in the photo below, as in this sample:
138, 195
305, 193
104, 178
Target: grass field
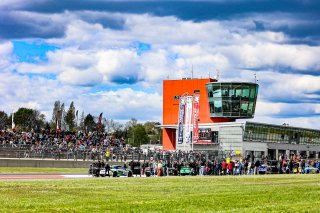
273, 193
31, 170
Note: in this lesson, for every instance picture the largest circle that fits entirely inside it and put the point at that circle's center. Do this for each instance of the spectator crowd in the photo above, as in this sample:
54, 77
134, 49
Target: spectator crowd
98, 146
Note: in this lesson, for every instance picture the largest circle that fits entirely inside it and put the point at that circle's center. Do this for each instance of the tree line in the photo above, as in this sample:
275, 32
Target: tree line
26, 119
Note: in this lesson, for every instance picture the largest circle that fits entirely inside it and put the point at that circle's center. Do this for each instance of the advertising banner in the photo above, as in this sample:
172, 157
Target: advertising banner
188, 119
181, 119
196, 98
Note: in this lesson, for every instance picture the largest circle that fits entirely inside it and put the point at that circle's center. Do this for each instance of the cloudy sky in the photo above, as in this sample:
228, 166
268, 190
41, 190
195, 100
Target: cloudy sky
111, 56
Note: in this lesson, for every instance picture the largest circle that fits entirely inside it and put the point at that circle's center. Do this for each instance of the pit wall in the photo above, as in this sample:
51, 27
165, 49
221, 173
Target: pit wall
37, 163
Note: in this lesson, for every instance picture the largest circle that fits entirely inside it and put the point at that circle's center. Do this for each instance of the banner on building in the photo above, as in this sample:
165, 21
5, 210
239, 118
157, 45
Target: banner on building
196, 99
188, 119
181, 119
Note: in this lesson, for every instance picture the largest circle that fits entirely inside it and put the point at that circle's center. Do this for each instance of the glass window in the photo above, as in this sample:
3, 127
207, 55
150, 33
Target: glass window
212, 107
252, 92
244, 106
236, 99
238, 92
226, 106
245, 93
217, 93
217, 106
225, 90
235, 105
250, 107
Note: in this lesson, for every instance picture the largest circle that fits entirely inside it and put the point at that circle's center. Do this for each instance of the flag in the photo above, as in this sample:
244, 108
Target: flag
99, 122
57, 123
76, 118
188, 119
181, 119
196, 107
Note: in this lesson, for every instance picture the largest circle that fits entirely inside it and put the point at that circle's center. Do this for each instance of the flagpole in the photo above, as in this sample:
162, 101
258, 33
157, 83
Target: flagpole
77, 122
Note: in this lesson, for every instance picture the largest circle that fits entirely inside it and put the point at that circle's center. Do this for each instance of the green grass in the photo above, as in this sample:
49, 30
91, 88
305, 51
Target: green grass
31, 170
273, 193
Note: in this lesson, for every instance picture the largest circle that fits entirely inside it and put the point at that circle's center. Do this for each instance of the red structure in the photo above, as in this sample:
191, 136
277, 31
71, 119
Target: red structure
172, 91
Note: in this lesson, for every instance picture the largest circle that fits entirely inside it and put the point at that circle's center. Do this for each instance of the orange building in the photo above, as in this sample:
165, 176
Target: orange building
172, 90
213, 105
220, 104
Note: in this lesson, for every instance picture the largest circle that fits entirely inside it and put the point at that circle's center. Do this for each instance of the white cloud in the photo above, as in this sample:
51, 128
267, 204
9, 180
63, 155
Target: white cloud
304, 122
298, 57
6, 56
124, 104
288, 87
82, 78
92, 54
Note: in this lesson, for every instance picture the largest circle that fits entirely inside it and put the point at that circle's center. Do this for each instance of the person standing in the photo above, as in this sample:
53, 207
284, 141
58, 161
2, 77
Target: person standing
224, 167
107, 155
160, 168
107, 169
256, 167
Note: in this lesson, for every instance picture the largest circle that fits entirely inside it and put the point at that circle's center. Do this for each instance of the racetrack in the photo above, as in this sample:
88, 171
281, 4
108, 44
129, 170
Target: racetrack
40, 176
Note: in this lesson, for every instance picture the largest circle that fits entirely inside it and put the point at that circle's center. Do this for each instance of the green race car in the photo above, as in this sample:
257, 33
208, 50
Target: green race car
185, 171
117, 171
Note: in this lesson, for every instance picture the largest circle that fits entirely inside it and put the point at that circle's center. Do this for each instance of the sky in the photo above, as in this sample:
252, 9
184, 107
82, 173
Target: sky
112, 56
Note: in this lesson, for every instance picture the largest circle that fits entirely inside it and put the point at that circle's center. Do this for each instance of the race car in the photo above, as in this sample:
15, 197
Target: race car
272, 167
185, 170
311, 170
115, 171
262, 169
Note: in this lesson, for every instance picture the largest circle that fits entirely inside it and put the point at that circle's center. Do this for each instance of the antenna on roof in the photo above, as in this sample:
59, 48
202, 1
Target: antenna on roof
192, 71
218, 74
255, 78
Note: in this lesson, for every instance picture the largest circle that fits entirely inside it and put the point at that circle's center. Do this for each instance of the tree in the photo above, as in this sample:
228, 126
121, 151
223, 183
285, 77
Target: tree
38, 120
154, 131
81, 122
22, 118
57, 115
70, 117
89, 123
131, 123
26, 119
4, 120
112, 126
62, 123
138, 135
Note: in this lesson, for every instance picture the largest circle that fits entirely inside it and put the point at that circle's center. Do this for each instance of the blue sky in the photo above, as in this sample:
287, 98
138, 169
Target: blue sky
111, 56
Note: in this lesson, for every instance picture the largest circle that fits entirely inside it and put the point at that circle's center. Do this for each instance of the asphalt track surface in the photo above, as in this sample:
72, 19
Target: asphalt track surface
49, 176
40, 176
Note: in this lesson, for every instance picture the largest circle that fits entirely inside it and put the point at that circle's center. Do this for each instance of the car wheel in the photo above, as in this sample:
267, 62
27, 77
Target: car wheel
115, 174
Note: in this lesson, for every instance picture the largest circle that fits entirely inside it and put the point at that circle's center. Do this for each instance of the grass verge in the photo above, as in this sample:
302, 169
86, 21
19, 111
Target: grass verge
273, 193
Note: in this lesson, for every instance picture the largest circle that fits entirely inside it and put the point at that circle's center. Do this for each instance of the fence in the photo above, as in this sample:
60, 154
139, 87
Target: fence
86, 154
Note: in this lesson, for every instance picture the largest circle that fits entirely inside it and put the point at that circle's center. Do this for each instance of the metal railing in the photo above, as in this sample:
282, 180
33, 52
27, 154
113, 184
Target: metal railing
29, 151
